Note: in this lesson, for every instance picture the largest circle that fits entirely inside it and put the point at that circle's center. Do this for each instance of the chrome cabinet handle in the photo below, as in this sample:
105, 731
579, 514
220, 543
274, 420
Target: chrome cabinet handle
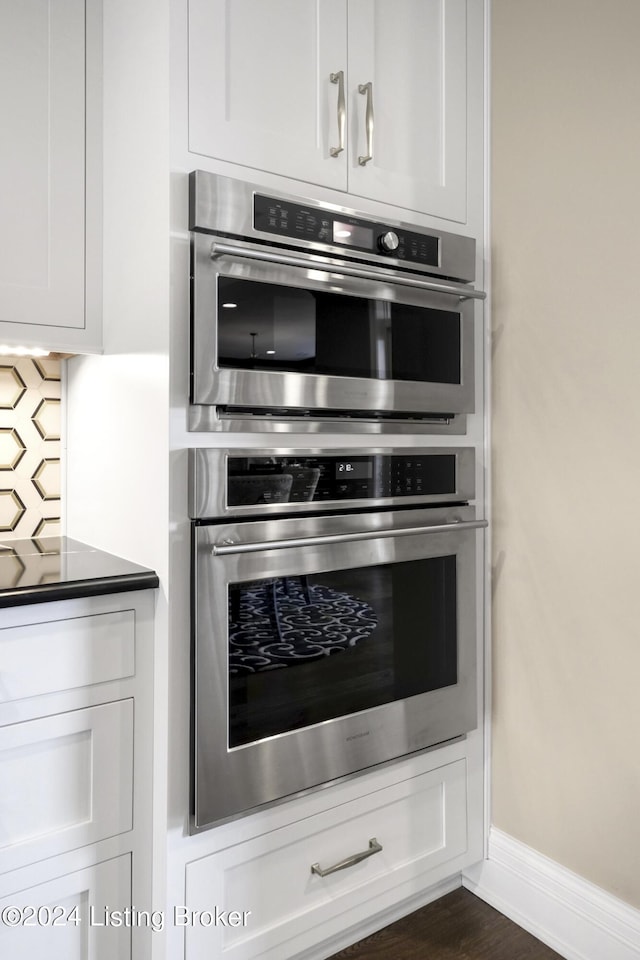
374, 847
227, 548
342, 112
367, 88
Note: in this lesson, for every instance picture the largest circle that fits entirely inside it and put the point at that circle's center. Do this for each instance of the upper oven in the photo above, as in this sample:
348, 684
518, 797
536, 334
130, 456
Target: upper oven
309, 312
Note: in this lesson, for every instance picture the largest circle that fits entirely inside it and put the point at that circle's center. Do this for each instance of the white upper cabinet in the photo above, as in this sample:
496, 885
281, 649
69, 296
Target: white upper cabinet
407, 70
365, 96
42, 171
260, 90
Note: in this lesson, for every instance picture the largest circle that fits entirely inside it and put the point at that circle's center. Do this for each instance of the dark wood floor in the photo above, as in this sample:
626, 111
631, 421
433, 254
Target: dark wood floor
459, 926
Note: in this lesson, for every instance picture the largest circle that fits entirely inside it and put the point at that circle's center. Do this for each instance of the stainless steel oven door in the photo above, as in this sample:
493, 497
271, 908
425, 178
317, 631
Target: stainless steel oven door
325, 645
276, 332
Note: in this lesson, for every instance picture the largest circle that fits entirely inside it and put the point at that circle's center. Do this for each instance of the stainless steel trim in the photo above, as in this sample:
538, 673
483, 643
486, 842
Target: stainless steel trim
224, 206
207, 468
230, 548
227, 248
367, 90
374, 847
269, 527
342, 113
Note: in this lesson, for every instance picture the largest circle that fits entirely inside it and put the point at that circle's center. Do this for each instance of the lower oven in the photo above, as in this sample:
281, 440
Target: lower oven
334, 616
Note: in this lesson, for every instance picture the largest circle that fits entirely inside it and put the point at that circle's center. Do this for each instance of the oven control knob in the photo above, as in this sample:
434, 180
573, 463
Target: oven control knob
389, 241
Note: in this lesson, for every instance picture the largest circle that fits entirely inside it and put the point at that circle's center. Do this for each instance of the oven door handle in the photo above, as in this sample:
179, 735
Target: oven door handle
228, 547
220, 249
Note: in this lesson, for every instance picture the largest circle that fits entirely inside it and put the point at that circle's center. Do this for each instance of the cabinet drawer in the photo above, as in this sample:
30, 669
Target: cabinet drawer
57, 655
68, 916
65, 781
419, 823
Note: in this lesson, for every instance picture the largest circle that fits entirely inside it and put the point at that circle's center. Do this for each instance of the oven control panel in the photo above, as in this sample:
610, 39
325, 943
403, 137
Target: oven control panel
252, 481
285, 218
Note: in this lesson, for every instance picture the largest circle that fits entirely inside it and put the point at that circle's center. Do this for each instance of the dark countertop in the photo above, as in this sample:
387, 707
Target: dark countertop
58, 568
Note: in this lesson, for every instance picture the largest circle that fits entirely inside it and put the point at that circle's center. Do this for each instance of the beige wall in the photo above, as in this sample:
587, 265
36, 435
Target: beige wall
566, 330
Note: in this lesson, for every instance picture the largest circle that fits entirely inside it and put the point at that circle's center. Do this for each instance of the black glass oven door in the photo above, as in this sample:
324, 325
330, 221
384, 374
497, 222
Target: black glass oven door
309, 648
266, 326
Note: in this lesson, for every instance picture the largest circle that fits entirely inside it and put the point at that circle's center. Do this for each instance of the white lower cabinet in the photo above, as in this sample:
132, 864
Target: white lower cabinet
65, 918
57, 785
52, 655
76, 754
262, 899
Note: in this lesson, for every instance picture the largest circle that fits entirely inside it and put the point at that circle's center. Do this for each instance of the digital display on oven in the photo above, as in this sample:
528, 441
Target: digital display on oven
352, 235
322, 479
354, 470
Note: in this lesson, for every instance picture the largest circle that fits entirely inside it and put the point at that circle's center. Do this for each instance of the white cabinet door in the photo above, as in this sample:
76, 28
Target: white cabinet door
88, 650
65, 781
413, 53
260, 89
80, 916
42, 175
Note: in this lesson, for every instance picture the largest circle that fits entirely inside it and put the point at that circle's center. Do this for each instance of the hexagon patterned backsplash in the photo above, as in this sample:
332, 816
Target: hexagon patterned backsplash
29, 448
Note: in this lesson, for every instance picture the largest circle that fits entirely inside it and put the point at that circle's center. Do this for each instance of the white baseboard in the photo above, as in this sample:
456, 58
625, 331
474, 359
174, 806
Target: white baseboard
577, 919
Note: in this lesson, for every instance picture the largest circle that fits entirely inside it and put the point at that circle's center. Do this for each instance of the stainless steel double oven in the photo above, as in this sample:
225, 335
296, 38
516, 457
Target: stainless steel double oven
334, 586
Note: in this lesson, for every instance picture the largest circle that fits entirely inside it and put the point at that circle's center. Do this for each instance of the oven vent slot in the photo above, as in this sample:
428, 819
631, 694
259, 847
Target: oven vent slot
209, 417
376, 416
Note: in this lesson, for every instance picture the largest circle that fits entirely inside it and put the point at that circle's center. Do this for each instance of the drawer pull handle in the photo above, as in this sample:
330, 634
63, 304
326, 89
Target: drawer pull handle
374, 847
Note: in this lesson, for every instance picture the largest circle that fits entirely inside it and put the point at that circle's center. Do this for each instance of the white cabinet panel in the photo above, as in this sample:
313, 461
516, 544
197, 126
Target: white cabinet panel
42, 114
413, 52
260, 88
420, 824
56, 655
260, 93
71, 923
65, 781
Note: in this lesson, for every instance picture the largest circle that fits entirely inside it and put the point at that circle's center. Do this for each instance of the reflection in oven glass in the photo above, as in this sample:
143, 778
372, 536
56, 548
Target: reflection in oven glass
268, 326
305, 649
